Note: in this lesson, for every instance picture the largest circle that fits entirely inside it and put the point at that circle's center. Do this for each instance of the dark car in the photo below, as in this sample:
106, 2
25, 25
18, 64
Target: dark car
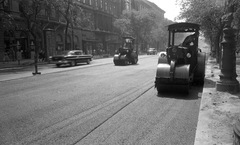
71, 57
152, 51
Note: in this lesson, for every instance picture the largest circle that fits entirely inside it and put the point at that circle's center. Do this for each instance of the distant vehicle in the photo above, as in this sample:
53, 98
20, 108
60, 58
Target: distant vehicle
162, 57
126, 54
71, 57
163, 54
152, 51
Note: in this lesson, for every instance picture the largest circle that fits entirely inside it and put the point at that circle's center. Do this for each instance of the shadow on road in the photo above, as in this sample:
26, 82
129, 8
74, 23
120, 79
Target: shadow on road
195, 92
68, 65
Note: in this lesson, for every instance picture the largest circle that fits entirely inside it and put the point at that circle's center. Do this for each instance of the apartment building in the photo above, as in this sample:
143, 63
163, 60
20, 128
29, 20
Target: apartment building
97, 38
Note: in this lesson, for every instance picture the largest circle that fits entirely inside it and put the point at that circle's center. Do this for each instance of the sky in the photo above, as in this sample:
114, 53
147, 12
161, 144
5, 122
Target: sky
169, 6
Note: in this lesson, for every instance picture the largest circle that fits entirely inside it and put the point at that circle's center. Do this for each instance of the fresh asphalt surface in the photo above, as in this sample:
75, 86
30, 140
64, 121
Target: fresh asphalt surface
94, 104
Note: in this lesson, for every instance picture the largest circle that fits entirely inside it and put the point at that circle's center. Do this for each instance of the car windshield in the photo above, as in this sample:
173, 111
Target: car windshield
179, 37
63, 53
66, 53
151, 48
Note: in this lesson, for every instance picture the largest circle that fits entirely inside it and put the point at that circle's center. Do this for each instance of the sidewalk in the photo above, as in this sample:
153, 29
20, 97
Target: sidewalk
13, 64
218, 110
27, 62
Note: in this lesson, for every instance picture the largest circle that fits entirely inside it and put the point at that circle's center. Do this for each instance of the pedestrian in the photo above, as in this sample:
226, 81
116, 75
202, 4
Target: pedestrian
19, 56
6, 57
41, 56
12, 53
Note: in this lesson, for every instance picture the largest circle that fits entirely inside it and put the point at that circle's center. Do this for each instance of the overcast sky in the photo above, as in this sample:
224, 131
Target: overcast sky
169, 6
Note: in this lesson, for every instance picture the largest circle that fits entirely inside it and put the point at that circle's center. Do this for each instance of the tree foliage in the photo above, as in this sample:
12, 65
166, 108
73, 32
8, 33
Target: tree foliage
30, 10
144, 25
66, 10
72, 15
236, 21
208, 14
7, 21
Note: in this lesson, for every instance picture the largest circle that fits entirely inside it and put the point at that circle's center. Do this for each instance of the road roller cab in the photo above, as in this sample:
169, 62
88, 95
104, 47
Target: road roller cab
126, 54
184, 63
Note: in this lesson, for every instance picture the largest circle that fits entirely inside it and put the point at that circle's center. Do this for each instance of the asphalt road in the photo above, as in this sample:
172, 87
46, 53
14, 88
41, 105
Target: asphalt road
98, 104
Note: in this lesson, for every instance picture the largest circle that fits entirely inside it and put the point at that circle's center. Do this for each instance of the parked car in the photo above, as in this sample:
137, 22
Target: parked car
71, 57
152, 51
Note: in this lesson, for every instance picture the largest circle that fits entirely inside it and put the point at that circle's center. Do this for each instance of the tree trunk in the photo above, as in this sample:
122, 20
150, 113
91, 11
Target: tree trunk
2, 49
218, 46
73, 47
66, 34
213, 51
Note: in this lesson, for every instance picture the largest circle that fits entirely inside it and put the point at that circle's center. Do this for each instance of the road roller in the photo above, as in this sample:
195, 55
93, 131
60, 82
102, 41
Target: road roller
126, 54
183, 63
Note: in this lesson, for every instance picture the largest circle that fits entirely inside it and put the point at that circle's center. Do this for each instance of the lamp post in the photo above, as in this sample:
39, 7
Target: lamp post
228, 81
35, 59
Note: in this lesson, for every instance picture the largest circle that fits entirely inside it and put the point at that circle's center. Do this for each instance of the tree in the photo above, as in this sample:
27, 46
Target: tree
159, 35
6, 23
236, 21
137, 23
73, 16
30, 10
5, 16
66, 10
208, 15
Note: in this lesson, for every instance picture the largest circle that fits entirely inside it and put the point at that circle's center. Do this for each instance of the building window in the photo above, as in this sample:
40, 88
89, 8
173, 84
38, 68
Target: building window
110, 8
106, 6
96, 3
6, 5
87, 2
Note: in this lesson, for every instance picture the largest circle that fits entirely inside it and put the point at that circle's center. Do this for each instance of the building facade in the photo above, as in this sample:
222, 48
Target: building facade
97, 38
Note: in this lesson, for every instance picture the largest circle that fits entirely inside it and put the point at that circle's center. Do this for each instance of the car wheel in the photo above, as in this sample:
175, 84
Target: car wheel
88, 61
125, 62
72, 63
57, 65
135, 60
75, 63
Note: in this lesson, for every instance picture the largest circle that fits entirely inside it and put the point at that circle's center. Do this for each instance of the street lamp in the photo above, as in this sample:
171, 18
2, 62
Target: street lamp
35, 59
228, 81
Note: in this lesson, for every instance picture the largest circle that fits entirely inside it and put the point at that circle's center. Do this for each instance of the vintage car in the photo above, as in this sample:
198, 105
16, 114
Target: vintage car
152, 51
70, 57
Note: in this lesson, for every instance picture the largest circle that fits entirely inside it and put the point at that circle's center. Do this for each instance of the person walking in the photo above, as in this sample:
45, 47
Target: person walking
19, 56
41, 56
